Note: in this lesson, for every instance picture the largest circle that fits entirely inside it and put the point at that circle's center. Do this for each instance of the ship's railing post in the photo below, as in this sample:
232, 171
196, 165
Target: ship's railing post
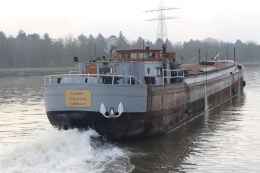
113, 77
50, 80
163, 75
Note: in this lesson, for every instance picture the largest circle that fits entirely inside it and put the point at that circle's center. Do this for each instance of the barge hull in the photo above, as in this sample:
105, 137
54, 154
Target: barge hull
168, 106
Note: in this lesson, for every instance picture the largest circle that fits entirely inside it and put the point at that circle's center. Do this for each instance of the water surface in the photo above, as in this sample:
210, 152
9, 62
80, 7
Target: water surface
223, 139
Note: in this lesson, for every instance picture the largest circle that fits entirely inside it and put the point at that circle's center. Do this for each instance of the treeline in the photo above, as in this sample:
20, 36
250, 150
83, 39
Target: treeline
32, 50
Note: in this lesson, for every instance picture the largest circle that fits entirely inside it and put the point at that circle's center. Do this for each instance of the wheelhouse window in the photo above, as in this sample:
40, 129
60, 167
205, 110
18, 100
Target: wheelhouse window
133, 55
128, 55
152, 55
144, 55
148, 55
125, 55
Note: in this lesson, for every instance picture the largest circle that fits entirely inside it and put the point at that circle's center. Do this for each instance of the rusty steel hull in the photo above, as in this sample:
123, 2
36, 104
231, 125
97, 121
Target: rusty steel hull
168, 106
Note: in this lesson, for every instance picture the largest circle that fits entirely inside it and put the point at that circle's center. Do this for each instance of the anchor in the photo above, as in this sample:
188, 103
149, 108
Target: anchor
111, 113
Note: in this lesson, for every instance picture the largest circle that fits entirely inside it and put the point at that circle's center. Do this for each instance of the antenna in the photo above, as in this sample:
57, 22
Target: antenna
161, 30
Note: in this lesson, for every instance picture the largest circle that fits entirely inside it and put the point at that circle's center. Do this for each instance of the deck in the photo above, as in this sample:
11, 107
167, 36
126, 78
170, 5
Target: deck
200, 68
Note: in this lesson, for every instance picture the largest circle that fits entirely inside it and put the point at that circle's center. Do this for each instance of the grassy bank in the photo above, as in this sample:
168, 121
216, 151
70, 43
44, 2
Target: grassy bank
246, 64
34, 71
250, 63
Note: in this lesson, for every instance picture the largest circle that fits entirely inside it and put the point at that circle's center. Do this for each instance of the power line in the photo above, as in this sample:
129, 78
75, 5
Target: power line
161, 29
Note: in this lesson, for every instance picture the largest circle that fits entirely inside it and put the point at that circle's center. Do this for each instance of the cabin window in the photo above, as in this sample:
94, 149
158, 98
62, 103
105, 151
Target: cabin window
158, 72
105, 70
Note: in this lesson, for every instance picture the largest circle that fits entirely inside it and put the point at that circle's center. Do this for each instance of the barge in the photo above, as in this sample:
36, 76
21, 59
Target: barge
138, 93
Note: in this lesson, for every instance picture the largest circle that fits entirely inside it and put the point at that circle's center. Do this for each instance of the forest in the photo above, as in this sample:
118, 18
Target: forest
32, 50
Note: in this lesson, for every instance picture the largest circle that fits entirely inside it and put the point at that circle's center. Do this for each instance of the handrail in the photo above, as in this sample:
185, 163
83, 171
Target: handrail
88, 76
171, 77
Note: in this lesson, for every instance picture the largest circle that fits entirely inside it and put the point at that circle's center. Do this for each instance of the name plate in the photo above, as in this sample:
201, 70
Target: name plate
78, 98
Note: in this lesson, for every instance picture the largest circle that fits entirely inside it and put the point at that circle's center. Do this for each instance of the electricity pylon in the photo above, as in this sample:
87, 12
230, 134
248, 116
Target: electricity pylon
161, 30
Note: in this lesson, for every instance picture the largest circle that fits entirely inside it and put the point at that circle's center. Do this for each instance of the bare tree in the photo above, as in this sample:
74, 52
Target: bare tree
71, 45
59, 50
46, 45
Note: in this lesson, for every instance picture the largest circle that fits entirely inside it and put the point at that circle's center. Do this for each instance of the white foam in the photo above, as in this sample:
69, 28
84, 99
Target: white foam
68, 151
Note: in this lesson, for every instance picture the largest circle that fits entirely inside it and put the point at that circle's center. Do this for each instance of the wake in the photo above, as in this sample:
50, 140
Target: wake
67, 151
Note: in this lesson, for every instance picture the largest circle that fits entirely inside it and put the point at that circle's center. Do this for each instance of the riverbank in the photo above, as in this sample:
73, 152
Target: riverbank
9, 72
250, 64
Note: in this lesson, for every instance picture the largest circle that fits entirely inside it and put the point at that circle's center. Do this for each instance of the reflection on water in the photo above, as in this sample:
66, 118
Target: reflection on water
22, 110
20, 92
223, 139
195, 144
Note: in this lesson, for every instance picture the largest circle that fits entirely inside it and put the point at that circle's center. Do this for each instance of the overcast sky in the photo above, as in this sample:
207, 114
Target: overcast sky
226, 20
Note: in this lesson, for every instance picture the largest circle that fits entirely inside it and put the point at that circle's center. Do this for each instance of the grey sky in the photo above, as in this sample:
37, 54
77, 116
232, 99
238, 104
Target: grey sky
226, 20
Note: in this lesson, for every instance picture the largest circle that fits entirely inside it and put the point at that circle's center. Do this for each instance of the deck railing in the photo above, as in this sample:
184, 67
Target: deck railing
176, 75
92, 79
